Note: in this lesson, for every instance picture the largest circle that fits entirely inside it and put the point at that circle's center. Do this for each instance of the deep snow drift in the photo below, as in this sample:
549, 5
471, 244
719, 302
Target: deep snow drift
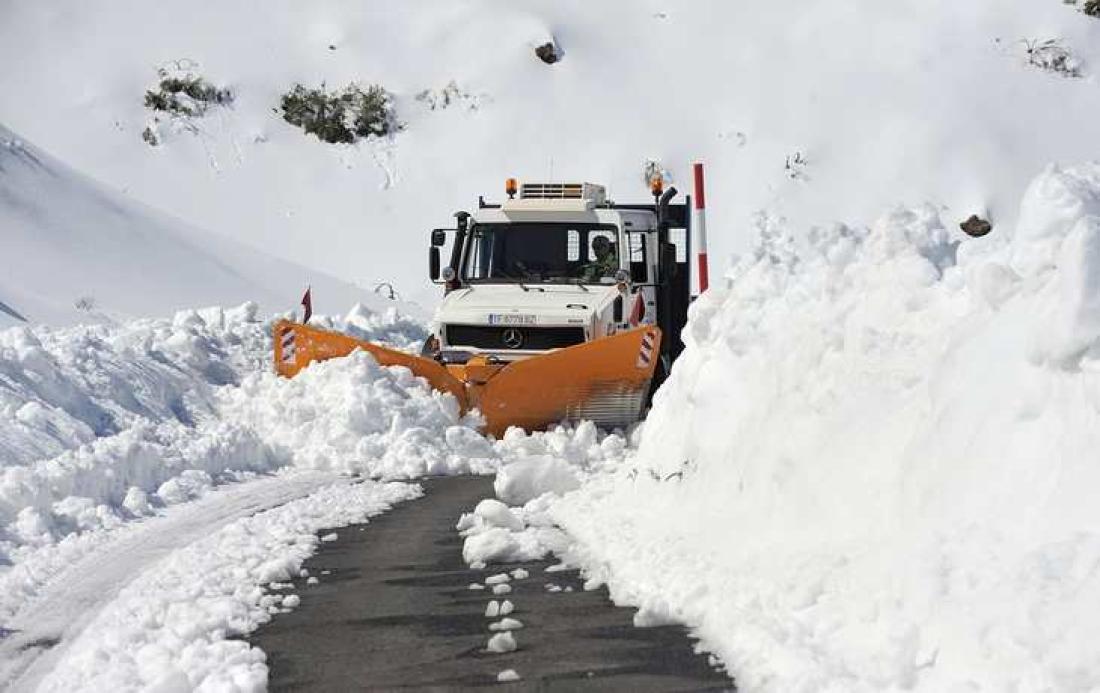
873, 468
77, 252
905, 102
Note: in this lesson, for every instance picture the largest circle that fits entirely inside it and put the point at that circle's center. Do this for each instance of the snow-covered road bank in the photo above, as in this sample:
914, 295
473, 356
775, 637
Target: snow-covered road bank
72, 583
874, 466
170, 628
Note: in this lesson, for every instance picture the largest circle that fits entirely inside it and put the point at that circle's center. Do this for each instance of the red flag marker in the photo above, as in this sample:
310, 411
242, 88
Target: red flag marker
307, 303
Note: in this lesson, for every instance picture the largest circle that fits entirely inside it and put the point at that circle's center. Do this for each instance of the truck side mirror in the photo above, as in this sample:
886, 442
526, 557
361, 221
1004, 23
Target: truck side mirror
439, 237
433, 262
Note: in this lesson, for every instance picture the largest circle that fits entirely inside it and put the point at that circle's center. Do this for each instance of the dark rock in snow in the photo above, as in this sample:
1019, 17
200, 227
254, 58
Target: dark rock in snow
549, 53
975, 226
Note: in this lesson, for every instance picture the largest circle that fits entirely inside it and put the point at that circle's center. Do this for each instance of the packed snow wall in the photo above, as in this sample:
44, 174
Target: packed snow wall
874, 465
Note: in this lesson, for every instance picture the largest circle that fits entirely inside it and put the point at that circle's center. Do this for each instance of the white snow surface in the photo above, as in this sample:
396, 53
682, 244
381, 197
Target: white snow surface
873, 467
77, 251
907, 101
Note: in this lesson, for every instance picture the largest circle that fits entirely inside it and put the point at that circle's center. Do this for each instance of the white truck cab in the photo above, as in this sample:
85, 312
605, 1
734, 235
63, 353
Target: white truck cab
556, 266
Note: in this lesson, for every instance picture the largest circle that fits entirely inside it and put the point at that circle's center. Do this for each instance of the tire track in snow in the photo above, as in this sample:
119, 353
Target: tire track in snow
37, 637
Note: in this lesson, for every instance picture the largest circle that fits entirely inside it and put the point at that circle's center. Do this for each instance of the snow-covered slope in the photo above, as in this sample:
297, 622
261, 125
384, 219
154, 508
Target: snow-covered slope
907, 102
76, 251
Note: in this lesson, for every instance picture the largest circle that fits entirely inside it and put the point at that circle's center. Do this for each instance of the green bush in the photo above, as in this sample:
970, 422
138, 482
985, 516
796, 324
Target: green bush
340, 116
185, 95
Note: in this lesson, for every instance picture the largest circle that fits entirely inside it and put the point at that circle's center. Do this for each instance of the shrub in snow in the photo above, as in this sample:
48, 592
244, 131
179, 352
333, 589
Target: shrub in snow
180, 96
342, 116
186, 94
1092, 8
450, 95
795, 166
1051, 55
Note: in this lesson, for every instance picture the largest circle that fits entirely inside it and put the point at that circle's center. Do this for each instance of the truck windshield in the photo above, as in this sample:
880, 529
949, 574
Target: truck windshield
543, 253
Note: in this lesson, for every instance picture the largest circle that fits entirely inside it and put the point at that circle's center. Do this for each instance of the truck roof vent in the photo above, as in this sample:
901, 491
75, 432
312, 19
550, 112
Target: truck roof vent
563, 191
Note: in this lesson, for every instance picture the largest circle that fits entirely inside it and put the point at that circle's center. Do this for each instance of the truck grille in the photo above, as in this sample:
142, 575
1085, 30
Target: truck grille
497, 337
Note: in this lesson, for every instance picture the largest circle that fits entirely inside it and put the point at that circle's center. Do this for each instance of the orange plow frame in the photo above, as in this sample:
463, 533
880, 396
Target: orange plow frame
606, 380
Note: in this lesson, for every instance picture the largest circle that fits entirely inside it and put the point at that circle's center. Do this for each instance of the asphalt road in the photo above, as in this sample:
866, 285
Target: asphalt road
395, 611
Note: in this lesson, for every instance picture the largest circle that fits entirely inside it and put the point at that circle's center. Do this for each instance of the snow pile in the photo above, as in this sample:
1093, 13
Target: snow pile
536, 468
60, 389
527, 479
173, 628
101, 425
352, 415
873, 467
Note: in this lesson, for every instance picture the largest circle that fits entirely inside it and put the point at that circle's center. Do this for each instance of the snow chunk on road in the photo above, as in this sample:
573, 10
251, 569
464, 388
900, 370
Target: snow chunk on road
173, 622
508, 675
497, 514
501, 643
527, 479
506, 624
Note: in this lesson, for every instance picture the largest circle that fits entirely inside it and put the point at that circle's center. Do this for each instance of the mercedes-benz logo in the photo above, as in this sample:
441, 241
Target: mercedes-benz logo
512, 338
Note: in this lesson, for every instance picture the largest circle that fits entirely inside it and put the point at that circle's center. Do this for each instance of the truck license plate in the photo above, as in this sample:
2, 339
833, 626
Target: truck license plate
511, 319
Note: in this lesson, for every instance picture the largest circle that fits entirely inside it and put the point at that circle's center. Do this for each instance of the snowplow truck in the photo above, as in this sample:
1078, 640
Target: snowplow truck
559, 305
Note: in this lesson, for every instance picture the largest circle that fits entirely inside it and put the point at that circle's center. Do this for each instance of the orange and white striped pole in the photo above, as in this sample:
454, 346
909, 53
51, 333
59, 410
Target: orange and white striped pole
699, 229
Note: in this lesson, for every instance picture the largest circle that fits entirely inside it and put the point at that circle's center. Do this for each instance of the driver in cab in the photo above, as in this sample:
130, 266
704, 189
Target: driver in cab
606, 262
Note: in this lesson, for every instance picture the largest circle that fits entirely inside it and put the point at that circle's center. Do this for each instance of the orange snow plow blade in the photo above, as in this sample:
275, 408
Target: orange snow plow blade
606, 380
297, 346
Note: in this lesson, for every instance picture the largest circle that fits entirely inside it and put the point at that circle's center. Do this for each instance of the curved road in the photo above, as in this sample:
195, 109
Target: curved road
394, 611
